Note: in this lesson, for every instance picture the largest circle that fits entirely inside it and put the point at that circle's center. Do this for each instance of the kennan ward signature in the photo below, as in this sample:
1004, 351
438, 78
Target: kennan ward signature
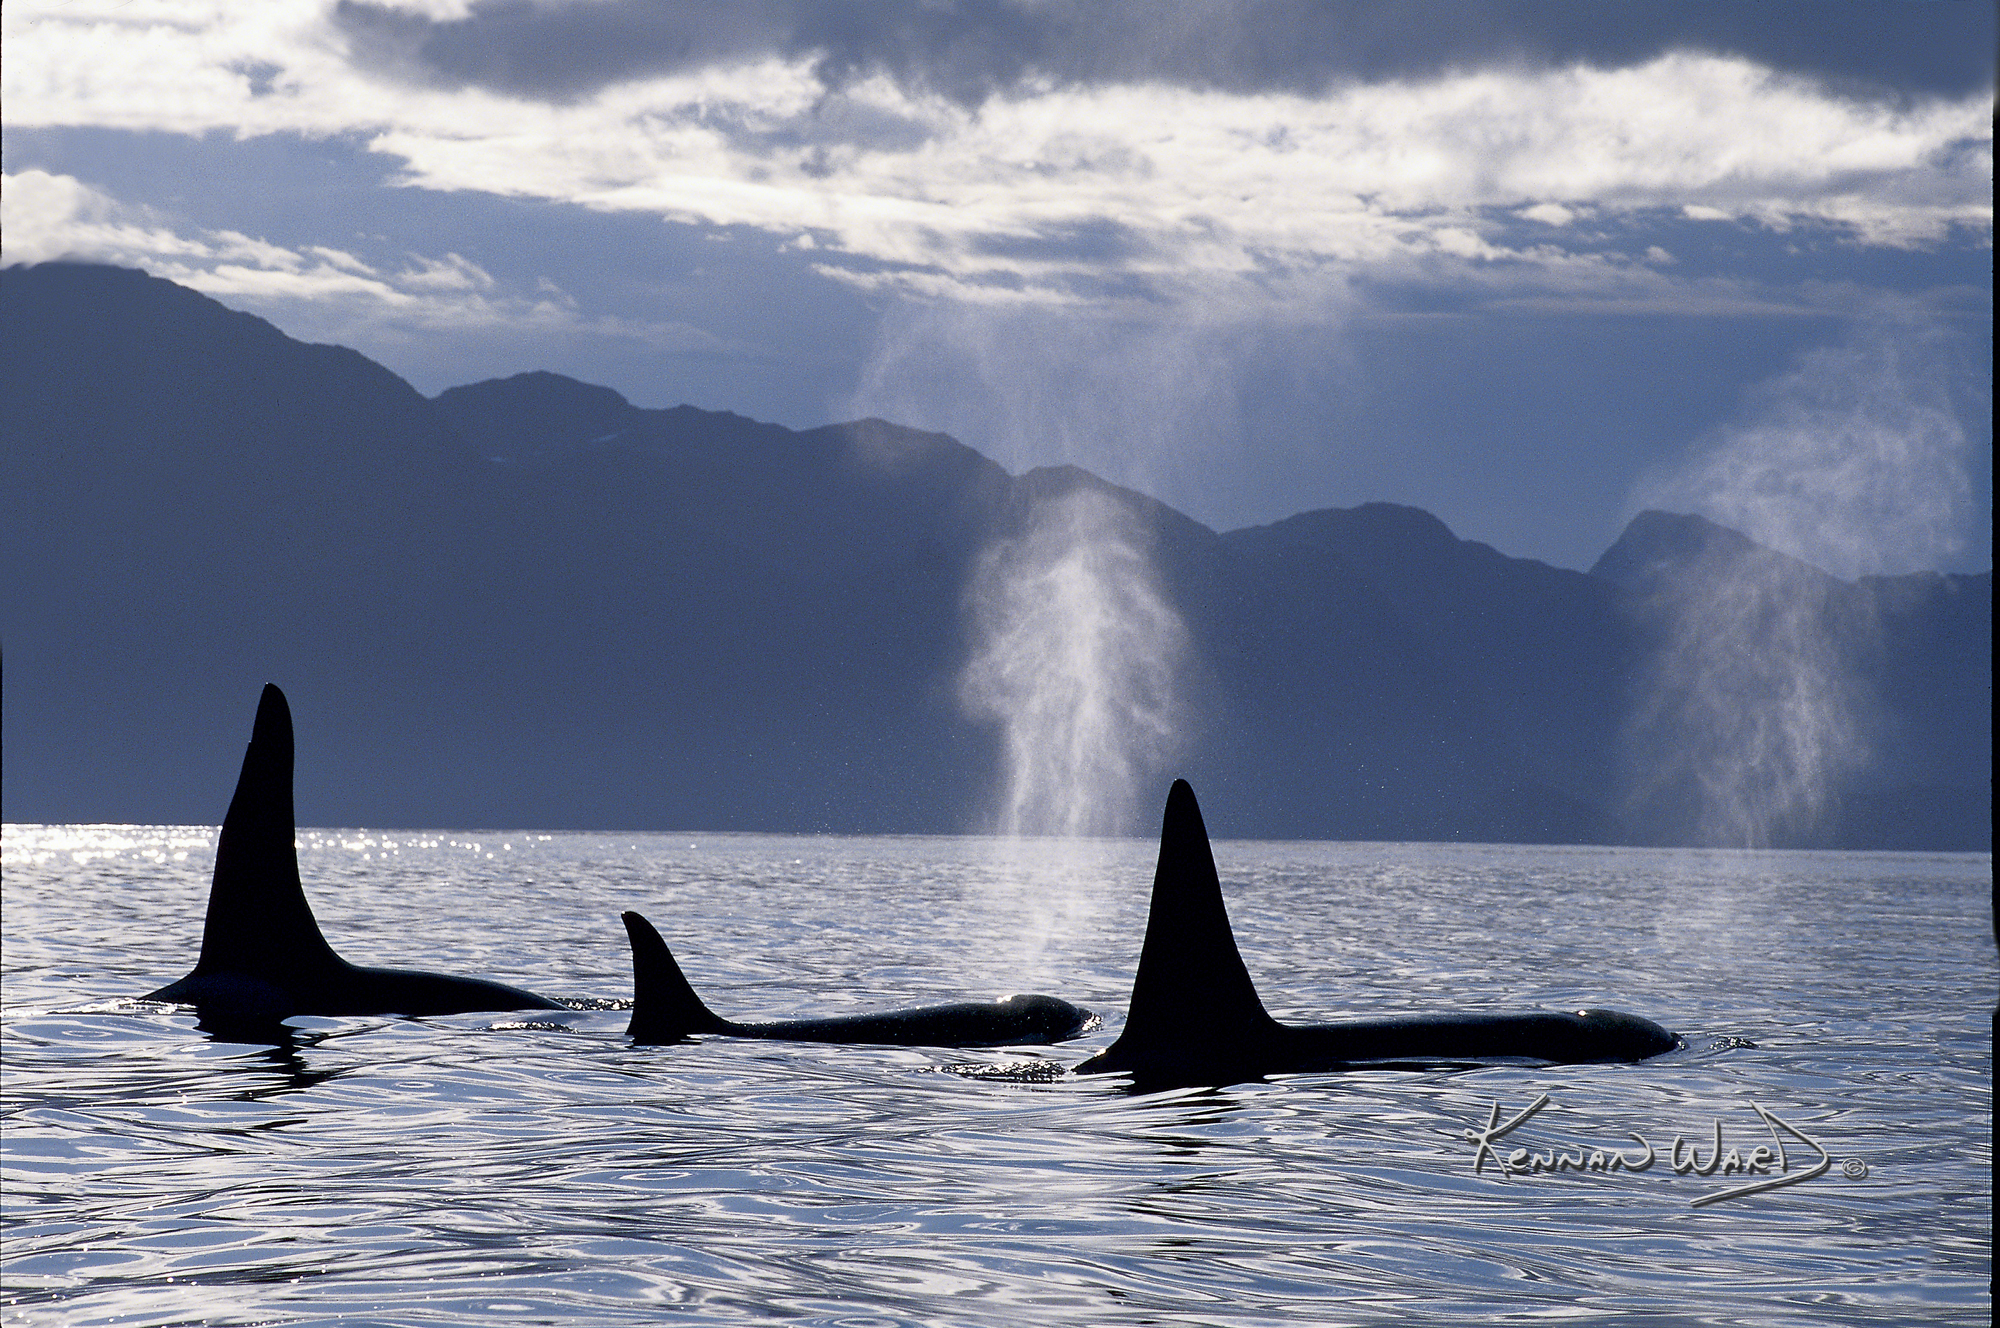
1685, 1158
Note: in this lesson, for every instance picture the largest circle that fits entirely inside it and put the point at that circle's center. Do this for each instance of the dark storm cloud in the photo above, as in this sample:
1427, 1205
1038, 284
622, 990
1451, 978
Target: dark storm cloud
561, 51
968, 51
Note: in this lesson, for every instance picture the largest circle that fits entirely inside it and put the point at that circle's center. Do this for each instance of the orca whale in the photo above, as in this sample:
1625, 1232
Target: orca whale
1195, 1018
262, 956
665, 1009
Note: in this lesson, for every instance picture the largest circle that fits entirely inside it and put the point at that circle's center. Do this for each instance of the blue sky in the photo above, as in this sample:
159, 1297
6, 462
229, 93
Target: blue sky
1529, 266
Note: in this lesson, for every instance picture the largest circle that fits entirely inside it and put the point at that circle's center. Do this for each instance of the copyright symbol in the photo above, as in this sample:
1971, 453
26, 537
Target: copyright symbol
1854, 1169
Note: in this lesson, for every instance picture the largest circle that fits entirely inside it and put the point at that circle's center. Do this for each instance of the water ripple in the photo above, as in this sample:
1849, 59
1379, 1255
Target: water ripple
496, 1169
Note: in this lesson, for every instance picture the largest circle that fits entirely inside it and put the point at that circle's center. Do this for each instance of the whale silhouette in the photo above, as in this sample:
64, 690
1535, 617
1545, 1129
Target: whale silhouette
1195, 1018
262, 956
665, 1009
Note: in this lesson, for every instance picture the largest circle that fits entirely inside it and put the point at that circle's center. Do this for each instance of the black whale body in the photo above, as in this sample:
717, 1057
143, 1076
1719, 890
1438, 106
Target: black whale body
1195, 1017
262, 956
665, 1009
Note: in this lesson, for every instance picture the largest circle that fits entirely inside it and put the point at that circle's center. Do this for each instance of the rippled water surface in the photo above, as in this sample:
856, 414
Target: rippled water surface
537, 1169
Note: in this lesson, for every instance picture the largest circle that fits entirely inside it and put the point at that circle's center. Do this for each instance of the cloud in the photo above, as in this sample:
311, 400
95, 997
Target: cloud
48, 217
566, 50
950, 152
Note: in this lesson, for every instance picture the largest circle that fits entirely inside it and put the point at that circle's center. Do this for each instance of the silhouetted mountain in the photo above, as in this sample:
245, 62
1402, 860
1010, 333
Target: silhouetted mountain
1515, 663
531, 603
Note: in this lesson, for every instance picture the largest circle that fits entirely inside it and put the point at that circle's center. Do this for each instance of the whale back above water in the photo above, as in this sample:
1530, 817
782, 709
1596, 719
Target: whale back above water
1195, 1017
262, 955
665, 1009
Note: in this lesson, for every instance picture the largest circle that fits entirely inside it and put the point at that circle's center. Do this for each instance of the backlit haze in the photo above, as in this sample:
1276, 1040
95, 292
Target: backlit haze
1529, 267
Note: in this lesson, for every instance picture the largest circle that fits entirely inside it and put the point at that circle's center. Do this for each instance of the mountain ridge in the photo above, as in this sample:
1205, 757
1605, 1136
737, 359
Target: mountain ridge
529, 602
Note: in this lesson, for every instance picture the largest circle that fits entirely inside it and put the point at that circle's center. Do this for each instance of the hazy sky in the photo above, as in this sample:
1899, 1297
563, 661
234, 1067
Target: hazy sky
1530, 266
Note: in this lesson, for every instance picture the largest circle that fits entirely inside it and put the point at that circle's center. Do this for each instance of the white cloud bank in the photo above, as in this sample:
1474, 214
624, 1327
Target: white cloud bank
46, 217
1062, 194
50, 216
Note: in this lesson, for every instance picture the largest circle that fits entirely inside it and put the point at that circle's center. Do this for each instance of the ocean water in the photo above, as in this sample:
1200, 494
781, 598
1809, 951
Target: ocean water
535, 1169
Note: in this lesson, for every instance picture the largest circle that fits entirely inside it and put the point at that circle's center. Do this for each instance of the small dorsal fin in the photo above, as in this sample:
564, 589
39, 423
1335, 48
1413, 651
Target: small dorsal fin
664, 1007
1192, 993
258, 920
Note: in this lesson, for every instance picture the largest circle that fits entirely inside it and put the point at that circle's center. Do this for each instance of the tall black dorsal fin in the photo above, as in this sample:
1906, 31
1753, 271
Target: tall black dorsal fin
258, 919
1191, 984
1192, 998
664, 1007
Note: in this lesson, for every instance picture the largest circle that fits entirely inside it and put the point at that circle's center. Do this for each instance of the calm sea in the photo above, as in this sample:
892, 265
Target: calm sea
534, 1170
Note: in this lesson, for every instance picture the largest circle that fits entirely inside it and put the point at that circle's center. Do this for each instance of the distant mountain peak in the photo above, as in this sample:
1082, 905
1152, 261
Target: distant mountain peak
1372, 522
544, 383
897, 449
533, 414
1656, 544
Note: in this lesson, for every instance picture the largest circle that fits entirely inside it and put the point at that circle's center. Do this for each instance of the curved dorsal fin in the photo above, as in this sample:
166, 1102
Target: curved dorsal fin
664, 1006
258, 919
1192, 992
